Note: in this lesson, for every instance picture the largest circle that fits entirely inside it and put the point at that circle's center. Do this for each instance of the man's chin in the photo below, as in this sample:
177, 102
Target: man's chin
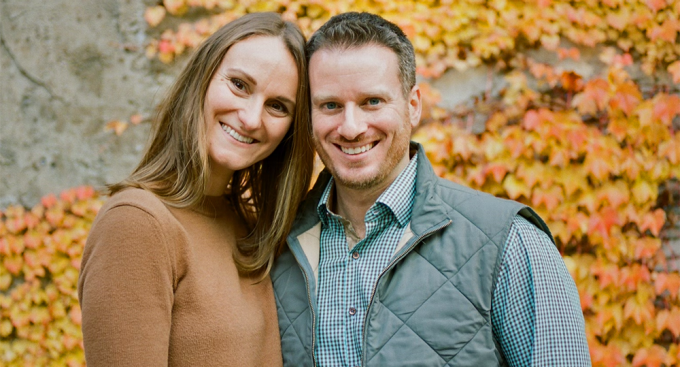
357, 182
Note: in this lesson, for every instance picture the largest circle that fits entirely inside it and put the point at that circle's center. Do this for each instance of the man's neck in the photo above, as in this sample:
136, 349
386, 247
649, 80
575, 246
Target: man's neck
352, 204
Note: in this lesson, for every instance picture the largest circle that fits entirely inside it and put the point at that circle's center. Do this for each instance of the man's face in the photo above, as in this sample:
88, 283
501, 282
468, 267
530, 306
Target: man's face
360, 118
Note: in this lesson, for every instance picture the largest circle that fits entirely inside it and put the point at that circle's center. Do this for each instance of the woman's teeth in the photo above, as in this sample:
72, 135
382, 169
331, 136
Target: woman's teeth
236, 135
357, 150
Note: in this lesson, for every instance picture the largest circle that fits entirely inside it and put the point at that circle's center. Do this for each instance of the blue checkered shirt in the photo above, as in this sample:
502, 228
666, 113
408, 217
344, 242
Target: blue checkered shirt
535, 307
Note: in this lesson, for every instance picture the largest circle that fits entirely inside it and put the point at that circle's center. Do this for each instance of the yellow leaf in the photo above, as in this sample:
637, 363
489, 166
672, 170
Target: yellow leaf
154, 15
117, 126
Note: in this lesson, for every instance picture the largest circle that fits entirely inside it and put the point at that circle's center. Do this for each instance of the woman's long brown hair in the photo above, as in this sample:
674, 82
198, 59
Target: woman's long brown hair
176, 168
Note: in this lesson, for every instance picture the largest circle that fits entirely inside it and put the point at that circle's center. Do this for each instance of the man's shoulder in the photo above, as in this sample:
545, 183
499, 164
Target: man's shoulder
456, 195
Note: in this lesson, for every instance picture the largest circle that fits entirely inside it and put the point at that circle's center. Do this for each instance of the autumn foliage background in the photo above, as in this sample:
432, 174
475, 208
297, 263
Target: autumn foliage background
596, 154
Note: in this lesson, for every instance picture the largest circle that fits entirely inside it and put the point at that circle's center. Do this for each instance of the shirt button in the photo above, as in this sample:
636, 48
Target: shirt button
352, 311
355, 255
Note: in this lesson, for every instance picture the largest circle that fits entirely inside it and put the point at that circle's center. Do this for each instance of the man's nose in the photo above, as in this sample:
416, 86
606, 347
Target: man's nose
353, 124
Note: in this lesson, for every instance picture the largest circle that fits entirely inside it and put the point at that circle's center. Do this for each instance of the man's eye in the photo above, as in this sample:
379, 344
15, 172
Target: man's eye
331, 105
374, 101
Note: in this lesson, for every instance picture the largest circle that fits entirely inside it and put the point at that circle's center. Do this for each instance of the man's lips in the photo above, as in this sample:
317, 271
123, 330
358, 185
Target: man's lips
357, 150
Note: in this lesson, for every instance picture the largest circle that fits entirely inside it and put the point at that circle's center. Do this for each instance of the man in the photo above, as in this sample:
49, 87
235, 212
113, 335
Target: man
389, 265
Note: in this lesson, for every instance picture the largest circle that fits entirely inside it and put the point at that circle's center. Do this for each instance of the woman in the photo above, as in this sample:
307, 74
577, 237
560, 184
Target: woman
175, 270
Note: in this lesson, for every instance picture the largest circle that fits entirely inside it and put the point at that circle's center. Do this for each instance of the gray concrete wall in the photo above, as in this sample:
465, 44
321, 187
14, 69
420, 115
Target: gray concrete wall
66, 68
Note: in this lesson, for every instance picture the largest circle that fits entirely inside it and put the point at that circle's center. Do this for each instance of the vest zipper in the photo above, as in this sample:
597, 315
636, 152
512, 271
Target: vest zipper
311, 308
388, 267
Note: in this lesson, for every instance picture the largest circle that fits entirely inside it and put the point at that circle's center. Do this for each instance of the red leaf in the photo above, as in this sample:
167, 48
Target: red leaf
48, 200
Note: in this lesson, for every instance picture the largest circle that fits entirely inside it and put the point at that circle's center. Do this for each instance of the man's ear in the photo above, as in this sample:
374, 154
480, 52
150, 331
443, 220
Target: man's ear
415, 106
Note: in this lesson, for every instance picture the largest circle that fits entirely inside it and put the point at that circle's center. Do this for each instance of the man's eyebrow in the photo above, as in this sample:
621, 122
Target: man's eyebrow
322, 97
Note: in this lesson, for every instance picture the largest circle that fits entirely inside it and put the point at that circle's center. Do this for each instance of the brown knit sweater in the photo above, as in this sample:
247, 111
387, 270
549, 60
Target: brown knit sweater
158, 287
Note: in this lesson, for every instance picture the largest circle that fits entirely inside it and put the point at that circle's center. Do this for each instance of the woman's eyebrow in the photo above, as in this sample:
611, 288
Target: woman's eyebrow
243, 75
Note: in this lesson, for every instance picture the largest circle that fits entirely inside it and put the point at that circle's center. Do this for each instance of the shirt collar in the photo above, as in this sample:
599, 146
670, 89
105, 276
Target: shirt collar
398, 197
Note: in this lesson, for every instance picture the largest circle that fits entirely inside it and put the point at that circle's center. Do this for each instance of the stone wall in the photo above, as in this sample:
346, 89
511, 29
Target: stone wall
66, 68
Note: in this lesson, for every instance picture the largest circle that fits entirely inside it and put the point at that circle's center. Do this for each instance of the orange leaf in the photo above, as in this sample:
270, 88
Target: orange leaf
647, 247
633, 275
594, 97
638, 312
656, 5
653, 356
667, 282
673, 322
626, 98
606, 273
618, 20
616, 193
666, 107
550, 197
497, 170
571, 81
674, 69
603, 221
667, 31
117, 126
653, 222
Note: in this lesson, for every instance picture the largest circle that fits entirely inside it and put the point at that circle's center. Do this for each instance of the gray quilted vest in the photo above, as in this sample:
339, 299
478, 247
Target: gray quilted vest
432, 305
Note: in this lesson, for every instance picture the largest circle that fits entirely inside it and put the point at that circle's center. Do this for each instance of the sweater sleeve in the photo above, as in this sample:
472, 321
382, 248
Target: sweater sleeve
126, 290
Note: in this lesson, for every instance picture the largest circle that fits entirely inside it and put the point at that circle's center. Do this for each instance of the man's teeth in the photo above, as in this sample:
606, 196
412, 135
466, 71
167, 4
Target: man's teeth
357, 150
236, 135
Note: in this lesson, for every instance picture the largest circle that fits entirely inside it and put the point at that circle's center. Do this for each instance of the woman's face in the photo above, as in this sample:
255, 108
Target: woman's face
249, 106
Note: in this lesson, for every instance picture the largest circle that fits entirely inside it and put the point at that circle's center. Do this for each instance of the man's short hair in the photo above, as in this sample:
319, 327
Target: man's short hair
354, 29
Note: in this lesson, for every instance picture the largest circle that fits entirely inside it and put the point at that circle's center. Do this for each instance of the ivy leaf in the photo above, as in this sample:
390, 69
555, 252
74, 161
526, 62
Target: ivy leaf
116, 126
637, 311
647, 247
674, 69
666, 107
154, 15
653, 221
595, 97
667, 282
667, 31
175, 7
550, 198
626, 98
654, 356
656, 5
643, 191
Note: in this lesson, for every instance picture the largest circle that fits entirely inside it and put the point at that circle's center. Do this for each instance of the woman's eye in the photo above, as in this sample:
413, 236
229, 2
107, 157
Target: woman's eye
279, 107
373, 101
331, 105
238, 83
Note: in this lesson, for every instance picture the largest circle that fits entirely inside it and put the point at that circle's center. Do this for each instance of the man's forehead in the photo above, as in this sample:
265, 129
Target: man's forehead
334, 51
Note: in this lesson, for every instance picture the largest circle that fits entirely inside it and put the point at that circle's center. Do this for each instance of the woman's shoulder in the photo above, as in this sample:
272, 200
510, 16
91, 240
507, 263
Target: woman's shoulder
135, 204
